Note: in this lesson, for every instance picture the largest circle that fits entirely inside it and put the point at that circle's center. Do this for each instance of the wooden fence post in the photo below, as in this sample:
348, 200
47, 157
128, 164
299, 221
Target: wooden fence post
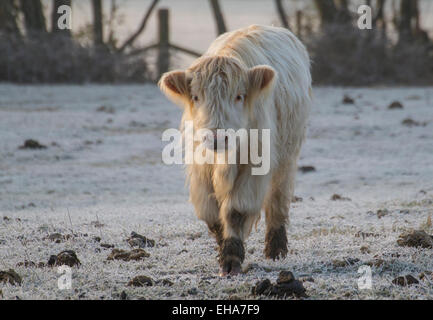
164, 42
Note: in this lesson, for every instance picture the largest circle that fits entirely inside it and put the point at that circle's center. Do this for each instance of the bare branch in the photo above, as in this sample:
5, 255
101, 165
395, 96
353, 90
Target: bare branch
134, 36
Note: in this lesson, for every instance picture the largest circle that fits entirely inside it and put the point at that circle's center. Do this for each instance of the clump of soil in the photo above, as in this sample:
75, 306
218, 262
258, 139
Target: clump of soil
297, 199
30, 264
382, 212
412, 123
364, 249
338, 197
417, 238
107, 245
285, 286
105, 109
32, 144
67, 257
348, 99
306, 169
57, 237
344, 263
164, 282
135, 254
137, 240
395, 105
141, 281
377, 262
194, 236
11, 277
405, 280
366, 234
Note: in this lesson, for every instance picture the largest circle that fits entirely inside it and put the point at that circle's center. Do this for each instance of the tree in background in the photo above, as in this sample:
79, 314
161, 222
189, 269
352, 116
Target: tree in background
34, 18
98, 30
8, 17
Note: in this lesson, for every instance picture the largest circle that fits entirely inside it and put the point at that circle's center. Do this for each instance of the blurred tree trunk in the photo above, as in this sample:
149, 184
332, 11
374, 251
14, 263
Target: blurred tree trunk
34, 18
55, 17
405, 22
327, 11
282, 14
343, 13
219, 18
98, 35
330, 13
8, 17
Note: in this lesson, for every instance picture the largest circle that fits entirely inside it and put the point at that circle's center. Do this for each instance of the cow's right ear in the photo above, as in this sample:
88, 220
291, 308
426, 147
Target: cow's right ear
175, 86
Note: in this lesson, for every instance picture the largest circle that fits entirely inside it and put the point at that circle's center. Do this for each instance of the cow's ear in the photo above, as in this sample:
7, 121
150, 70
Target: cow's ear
175, 86
261, 78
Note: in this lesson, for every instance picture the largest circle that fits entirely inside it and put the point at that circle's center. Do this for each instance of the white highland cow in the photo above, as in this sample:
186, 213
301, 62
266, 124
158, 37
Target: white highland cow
252, 78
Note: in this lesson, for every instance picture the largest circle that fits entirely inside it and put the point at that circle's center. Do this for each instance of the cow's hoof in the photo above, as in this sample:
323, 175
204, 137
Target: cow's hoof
230, 268
276, 244
231, 256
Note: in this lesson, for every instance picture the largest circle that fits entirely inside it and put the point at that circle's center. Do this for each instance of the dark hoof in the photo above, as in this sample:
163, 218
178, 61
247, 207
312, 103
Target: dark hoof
230, 268
231, 256
276, 244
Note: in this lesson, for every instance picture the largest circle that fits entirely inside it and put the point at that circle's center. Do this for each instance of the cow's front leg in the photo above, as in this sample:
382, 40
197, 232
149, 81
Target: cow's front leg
236, 226
232, 252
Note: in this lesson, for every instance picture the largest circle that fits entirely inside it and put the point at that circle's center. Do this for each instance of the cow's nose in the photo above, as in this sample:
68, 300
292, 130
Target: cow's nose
212, 138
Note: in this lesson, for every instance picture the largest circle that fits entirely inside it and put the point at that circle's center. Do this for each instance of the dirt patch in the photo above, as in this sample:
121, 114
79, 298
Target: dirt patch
141, 281
345, 262
405, 280
135, 254
418, 238
409, 122
32, 144
30, 264
348, 99
306, 169
285, 286
338, 197
395, 105
106, 109
107, 245
10, 276
67, 257
366, 234
137, 240
382, 212
57, 237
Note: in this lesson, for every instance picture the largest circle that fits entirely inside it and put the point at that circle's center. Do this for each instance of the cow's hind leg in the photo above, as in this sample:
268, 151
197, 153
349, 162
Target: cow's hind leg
277, 211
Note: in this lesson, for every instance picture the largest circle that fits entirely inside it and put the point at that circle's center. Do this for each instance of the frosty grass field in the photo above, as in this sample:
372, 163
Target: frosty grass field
101, 175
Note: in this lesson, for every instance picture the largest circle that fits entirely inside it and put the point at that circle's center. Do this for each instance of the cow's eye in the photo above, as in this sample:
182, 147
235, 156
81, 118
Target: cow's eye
195, 98
240, 98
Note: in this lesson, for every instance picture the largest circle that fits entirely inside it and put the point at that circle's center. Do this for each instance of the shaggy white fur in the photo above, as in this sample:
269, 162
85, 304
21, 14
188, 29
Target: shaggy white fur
252, 78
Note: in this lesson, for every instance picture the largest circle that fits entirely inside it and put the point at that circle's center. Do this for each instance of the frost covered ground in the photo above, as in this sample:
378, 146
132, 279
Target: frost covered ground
101, 175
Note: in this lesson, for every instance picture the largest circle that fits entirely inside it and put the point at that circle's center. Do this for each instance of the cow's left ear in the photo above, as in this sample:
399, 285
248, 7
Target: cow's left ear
261, 78
175, 86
